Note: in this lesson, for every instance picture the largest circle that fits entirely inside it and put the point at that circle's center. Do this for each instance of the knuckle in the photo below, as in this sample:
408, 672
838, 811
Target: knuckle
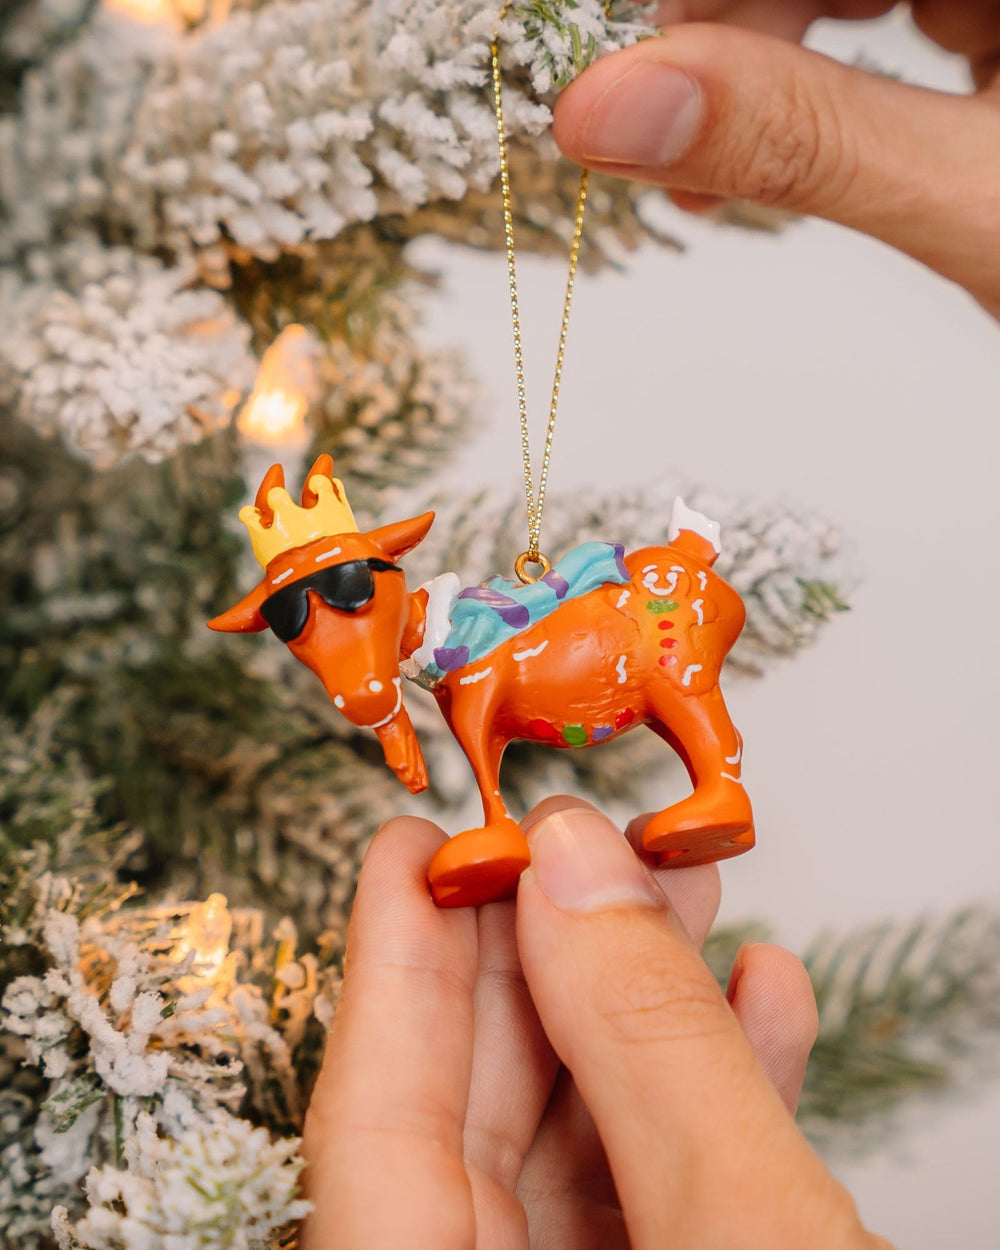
495, 1150
660, 1001
796, 151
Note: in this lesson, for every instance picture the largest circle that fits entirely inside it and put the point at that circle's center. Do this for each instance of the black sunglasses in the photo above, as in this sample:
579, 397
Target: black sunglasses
346, 586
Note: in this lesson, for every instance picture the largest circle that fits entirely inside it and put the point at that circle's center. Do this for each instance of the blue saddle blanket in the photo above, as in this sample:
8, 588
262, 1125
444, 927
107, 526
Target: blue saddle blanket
482, 617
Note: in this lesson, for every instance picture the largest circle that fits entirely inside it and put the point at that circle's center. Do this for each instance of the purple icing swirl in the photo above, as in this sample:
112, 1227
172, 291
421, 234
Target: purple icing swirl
556, 582
450, 658
511, 612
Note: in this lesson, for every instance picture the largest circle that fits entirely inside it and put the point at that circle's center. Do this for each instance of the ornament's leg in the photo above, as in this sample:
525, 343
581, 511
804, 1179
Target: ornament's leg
716, 821
480, 865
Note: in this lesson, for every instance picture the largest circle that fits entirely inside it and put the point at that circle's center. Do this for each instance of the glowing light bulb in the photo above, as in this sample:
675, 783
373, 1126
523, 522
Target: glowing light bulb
178, 13
147, 10
286, 384
207, 935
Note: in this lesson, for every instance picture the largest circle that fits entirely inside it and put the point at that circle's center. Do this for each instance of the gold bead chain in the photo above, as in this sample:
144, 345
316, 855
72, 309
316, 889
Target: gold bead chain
536, 504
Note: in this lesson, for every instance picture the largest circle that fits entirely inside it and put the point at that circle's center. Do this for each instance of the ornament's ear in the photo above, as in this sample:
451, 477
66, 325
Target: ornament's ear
243, 617
402, 536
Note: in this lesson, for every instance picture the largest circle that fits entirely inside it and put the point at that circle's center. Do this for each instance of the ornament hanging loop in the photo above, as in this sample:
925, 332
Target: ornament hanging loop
538, 560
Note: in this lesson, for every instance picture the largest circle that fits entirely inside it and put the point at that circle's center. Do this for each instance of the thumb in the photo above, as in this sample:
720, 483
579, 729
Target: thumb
720, 111
683, 1110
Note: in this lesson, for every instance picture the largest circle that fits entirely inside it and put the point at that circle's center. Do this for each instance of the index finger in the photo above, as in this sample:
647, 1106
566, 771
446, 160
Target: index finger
383, 1135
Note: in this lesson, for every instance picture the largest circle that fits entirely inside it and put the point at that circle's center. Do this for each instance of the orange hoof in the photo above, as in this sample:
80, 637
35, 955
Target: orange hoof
705, 846
479, 866
701, 830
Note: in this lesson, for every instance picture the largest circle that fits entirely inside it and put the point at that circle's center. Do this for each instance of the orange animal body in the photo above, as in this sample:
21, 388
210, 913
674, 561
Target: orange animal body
644, 649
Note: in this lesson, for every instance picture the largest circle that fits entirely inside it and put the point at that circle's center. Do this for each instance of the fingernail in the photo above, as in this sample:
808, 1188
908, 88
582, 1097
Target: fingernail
648, 117
582, 863
555, 803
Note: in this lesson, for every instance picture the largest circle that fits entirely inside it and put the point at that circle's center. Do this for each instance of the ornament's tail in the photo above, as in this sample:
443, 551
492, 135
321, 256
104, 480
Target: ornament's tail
694, 532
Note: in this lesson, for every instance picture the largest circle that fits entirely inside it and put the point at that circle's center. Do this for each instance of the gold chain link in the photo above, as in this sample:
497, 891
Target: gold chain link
536, 504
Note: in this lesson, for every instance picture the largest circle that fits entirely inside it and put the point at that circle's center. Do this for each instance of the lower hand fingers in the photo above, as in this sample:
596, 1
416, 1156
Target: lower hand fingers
513, 1065
681, 1105
387, 1113
773, 999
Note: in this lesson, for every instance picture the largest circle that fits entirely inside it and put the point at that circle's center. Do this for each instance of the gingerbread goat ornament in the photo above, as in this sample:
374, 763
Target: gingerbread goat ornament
605, 641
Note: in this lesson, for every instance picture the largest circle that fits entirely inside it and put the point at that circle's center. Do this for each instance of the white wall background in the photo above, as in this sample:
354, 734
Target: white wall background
823, 369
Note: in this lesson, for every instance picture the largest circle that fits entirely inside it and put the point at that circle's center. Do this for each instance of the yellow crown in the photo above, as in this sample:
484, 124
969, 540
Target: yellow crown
293, 526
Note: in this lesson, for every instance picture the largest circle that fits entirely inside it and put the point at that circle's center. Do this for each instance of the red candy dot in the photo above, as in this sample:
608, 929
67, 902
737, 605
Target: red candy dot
624, 718
543, 731
666, 624
668, 642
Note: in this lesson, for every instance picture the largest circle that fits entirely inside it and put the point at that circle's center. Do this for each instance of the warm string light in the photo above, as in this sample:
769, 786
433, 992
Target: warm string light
286, 384
177, 12
205, 938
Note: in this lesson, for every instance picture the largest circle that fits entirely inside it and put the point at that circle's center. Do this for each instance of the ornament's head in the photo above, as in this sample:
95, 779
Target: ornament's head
337, 597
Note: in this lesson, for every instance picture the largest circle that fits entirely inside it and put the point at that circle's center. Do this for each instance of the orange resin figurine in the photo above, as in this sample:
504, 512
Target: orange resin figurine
605, 641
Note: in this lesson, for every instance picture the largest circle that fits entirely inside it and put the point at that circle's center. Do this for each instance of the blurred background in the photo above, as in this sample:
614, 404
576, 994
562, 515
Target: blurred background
239, 231
820, 368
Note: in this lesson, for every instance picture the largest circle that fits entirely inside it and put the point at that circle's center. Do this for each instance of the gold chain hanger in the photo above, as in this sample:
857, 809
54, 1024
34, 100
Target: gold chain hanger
536, 503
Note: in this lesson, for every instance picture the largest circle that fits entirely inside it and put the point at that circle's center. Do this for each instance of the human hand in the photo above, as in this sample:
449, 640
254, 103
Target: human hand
444, 1118
717, 110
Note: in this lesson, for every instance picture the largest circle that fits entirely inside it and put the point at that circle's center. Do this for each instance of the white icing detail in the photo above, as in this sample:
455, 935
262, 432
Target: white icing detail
730, 777
684, 518
328, 555
623, 598
689, 672
620, 670
375, 687
532, 651
474, 677
696, 608
702, 581
735, 759
649, 581
650, 568
398, 683
677, 568
338, 700
442, 592
276, 581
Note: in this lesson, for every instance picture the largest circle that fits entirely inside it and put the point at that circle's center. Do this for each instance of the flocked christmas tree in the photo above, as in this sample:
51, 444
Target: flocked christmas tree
186, 185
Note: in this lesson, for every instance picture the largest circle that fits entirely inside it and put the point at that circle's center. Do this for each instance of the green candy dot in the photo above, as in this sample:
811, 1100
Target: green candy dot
661, 605
575, 736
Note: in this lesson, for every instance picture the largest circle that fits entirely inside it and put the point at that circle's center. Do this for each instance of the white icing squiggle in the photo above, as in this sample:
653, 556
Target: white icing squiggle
474, 677
531, 652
